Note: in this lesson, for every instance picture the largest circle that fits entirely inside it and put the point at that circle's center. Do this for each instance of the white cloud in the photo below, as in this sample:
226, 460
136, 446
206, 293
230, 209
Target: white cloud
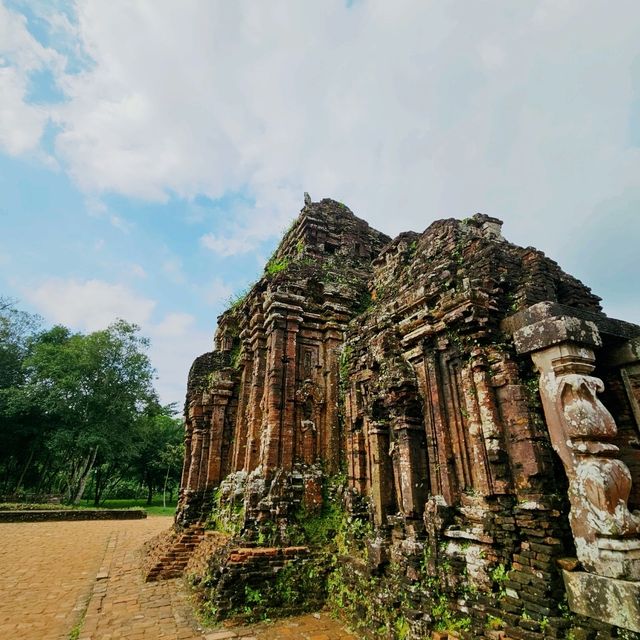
217, 292
231, 245
406, 111
95, 206
175, 343
92, 305
398, 109
137, 270
21, 123
119, 223
174, 324
20, 48
89, 305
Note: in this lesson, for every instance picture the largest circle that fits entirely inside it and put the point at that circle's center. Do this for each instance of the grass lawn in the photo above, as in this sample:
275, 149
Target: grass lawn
154, 509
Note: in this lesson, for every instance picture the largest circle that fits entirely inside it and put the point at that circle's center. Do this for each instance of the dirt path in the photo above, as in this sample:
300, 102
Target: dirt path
55, 576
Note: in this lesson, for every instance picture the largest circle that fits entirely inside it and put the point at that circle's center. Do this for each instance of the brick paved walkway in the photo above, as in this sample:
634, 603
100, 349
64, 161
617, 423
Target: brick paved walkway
46, 573
316, 626
53, 572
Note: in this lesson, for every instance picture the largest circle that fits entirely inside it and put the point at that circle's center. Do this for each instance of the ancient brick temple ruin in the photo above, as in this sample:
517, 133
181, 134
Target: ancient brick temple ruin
484, 408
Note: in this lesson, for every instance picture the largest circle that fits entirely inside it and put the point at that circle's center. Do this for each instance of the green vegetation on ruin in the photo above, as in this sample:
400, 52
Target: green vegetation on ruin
226, 516
276, 265
336, 574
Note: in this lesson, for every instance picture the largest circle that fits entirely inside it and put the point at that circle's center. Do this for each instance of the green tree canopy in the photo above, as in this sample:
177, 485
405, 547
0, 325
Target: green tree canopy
158, 457
75, 407
95, 387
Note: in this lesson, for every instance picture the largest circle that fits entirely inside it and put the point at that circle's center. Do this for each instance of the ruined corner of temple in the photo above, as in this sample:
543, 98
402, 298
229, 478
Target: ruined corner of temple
484, 409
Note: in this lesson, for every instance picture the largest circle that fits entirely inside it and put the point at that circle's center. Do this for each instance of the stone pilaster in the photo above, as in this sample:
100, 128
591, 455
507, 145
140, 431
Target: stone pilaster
582, 431
242, 423
196, 415
220, 395
438, 441
258, 345
382, 476
330, 445
283, 322
409, 462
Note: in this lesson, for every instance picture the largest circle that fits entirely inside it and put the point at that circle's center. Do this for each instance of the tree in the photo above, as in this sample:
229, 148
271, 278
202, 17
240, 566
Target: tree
159, 453
95, 388
75, 407
16, 329
21, 425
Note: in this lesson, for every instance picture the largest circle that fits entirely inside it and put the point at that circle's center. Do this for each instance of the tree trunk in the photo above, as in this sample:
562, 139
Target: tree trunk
9, 475
71, 482
24, 471
43, 475
149, 492
97, 492
164, 489
108, 488
84, 476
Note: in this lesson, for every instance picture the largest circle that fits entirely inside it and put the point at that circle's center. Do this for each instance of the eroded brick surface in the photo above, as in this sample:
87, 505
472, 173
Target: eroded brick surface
411, 361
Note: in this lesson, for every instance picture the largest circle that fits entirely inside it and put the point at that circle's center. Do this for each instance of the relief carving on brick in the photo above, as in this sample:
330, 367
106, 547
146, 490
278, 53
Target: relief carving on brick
582, 430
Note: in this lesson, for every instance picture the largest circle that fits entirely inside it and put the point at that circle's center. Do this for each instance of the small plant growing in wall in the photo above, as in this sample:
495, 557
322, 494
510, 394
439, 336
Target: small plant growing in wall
493, 622
252, 596
276, 265
236, 300
401, 628
236, 356
500, 575
226, 516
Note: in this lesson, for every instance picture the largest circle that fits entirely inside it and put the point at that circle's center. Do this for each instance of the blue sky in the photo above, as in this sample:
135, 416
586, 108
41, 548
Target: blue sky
152, 152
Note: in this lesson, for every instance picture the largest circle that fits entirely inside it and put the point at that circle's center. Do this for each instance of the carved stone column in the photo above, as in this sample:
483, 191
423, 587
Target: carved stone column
582, 430
606, 533
283, 322
186, 464
382, 476
220, 395
242, 422
196, 415
330, 436
258, 345
622, 364
438, 441
410, 466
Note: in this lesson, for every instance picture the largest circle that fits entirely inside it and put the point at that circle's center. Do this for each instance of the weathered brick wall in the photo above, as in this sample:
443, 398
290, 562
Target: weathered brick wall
267, 397
250, 582
438, 403
397, 360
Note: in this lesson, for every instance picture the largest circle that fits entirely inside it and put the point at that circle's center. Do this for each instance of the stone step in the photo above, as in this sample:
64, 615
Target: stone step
172, 562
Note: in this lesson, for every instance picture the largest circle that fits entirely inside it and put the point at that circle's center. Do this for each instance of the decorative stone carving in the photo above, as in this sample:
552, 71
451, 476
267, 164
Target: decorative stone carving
606, 532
